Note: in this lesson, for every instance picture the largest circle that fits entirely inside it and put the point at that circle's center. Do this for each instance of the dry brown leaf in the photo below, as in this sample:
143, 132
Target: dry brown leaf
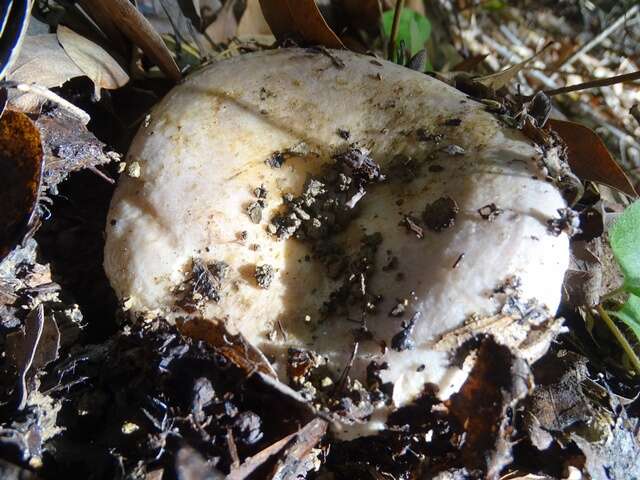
589, 158
234, 347
92, 59
468, 64
299, 446
225, 25
500, 79
68, 147
21, 160
39, 50
252, 21
138, 29
108, 27
300, 20
363, 14
497, 381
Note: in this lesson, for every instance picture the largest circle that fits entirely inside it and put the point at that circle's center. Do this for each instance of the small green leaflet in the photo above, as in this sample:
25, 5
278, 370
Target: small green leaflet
624, 237
414, 29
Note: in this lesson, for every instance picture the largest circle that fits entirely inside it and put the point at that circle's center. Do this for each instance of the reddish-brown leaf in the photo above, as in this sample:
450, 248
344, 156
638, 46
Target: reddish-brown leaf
589, 158
139, 31
469, 64
300, 20
21, 166
234, 347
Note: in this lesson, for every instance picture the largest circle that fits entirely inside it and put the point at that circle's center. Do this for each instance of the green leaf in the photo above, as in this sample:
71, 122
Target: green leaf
629, 314
624, 237
494, 5
413, 28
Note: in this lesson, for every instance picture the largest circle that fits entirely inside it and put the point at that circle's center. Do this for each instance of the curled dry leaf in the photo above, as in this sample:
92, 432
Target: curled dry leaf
496, 383
21, 161
36, 51
103, 70
252, 21
294, 452
500, 79
300, 20
68, 146
234, 347
107, 26
14, 18
589, 158
225, 25
138, 29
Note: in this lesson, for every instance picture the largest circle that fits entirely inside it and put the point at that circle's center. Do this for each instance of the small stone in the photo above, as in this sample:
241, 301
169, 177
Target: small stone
454, 150
264, 275
133, 170
129, 427
260, 192
489, 212
398, 310
127, 304
255, 212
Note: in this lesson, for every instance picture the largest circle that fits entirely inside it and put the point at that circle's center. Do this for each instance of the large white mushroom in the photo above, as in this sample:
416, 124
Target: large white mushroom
315, 199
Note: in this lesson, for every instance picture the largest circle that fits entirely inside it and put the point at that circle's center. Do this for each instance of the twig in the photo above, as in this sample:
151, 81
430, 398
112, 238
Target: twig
635, 361
394, 29
102, 175
599, 38
49, 95
601, 82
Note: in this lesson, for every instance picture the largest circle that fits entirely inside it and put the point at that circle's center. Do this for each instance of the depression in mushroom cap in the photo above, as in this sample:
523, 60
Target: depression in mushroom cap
364, 215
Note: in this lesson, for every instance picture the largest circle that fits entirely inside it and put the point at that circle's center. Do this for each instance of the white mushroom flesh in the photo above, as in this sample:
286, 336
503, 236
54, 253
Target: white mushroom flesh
203, 153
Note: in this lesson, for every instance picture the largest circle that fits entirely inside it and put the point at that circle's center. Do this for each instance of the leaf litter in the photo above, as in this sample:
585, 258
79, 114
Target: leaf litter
156, 402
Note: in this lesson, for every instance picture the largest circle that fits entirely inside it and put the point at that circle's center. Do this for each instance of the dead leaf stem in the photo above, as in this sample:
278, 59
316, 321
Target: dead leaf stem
49, 95
626, 346
394, 29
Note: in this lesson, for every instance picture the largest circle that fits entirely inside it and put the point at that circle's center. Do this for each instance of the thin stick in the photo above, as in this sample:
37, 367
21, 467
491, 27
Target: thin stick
601, 82
635, 361
49, 95
394, 29
600, 37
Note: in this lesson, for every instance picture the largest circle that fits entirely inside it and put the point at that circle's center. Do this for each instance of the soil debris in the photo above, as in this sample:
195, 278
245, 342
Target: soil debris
403, 340
264, 275
568, 222
441, 214
490, 212
327, 202
411, 224
204, 284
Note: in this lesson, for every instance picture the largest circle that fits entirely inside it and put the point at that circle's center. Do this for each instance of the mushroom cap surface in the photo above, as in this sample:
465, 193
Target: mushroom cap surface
212, 142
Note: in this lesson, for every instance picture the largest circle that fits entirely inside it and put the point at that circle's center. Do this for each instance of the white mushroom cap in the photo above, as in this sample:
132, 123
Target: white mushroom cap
203, 153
